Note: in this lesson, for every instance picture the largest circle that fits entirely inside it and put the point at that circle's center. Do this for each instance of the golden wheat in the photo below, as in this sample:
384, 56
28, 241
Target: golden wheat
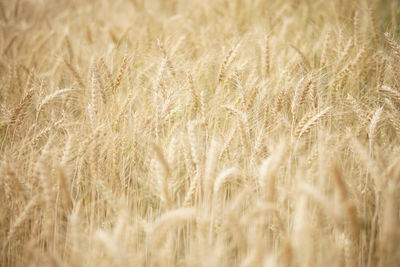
199, 133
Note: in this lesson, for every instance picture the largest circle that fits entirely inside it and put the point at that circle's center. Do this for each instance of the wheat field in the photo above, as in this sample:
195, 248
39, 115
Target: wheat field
199, 133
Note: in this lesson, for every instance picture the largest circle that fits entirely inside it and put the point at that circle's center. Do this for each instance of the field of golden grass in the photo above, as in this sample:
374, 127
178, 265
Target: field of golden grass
199, 133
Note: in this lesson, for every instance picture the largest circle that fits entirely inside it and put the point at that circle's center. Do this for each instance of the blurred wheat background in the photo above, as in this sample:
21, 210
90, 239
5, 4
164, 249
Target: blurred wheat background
199, 133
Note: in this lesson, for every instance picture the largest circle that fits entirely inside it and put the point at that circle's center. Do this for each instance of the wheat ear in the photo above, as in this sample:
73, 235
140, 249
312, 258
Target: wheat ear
305, 126
395, 47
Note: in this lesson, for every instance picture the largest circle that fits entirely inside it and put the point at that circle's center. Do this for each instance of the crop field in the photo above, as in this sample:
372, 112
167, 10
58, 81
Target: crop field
200, 133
